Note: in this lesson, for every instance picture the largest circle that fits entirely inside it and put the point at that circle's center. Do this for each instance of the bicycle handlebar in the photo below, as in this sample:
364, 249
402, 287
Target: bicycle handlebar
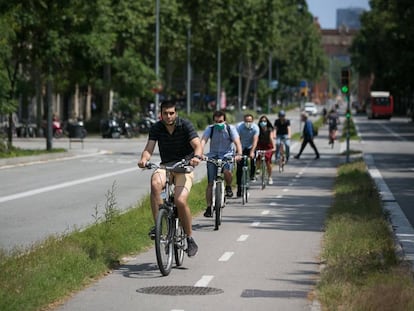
179, 167
219, 162
259, 152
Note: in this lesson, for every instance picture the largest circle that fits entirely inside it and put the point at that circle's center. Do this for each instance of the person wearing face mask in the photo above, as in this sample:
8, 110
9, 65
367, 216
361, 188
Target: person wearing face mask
266, 142
249, 136
224, 138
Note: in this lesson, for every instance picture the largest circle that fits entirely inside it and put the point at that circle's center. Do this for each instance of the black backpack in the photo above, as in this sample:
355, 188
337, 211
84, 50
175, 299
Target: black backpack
333, 121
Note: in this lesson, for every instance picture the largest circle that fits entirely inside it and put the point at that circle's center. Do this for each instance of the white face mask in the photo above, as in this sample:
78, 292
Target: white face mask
248, 125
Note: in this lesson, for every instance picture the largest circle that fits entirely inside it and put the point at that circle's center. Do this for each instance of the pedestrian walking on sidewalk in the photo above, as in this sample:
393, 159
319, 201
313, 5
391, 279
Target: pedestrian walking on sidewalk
307, 136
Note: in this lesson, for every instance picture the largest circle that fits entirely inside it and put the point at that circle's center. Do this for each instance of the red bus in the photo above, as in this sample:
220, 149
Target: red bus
379, 105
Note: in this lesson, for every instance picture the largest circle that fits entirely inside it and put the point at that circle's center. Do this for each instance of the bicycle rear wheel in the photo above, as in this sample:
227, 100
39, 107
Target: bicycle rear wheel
179, 244
218, 203
164, 241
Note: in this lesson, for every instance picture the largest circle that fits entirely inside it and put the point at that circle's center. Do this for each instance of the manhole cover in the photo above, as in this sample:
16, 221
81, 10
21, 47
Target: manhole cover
179, 290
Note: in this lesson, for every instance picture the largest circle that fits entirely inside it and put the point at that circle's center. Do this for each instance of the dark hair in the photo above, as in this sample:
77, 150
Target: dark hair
269, 124
219, 113
167, 104
248, 115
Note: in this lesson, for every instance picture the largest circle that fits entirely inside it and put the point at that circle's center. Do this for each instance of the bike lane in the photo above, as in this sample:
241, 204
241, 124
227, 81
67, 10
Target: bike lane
264, 257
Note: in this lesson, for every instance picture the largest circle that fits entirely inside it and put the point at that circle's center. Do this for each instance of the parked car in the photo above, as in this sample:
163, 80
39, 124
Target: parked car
311, 109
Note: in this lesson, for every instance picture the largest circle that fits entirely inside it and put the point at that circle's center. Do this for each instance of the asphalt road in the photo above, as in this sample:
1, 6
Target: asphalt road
265, 255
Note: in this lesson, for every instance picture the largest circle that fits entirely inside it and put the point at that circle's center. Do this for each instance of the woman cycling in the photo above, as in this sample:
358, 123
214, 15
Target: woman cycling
266, 142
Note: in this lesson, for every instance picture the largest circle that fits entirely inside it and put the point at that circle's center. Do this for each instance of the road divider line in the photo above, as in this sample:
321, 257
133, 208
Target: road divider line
63, 185
255, 224
226, 256
242, 238
266, 212
204, 281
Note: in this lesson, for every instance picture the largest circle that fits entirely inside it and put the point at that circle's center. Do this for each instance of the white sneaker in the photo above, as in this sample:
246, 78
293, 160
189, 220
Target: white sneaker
270, 181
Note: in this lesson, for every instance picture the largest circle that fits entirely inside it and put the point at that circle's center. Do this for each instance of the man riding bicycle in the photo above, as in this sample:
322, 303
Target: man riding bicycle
222, 137
177, 139
249, 136
333, 121
283, 134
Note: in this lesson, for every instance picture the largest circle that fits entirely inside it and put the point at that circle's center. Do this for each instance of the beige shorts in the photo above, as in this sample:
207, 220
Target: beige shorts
178, 179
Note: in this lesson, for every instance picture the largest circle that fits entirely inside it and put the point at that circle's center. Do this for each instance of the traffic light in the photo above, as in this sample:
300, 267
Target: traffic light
345, 79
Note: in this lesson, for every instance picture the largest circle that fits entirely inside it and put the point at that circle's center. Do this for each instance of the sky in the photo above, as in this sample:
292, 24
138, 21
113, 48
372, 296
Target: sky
325, 10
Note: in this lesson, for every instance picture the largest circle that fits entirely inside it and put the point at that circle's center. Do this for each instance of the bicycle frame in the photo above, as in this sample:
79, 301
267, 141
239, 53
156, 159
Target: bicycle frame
282, 160
263, 167
218, 198
169, 235
245, 180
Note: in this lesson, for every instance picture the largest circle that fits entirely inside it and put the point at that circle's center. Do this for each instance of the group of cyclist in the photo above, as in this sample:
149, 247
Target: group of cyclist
177, 139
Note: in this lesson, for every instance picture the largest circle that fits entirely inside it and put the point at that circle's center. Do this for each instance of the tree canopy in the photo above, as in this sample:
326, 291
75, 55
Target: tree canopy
385, 47
109, 44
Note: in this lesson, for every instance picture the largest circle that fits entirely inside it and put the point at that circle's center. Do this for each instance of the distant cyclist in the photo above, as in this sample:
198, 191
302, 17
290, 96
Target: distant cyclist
177, 139
249, 136
266, 142
333, 121
283, 134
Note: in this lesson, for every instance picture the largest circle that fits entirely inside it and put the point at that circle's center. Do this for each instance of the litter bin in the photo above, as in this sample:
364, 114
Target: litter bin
76, 133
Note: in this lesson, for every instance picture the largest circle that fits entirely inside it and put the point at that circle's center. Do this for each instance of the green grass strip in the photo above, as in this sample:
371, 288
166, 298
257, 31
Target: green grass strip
34, 278
361, 270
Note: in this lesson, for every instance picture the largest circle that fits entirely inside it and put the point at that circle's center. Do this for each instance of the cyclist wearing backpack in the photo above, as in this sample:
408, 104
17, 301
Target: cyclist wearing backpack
283, 133
333, 121
223, 138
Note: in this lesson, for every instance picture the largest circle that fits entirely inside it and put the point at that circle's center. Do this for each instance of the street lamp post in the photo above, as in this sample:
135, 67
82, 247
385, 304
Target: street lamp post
218, 100
157, 53
189, 95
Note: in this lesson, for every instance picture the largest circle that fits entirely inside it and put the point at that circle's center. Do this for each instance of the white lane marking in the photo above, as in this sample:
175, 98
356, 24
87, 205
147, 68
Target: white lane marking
226, 256
242, 238
64, 158
279, 196
62, 185
392, 133
204, 281
255, 224
285, 190
273, 204
297, 176
265, 212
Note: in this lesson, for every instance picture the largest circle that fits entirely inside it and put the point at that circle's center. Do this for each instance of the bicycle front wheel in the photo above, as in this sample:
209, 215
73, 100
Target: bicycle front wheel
244, 188
263, 169
281, 162
218, 203
179, 244
164, 241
